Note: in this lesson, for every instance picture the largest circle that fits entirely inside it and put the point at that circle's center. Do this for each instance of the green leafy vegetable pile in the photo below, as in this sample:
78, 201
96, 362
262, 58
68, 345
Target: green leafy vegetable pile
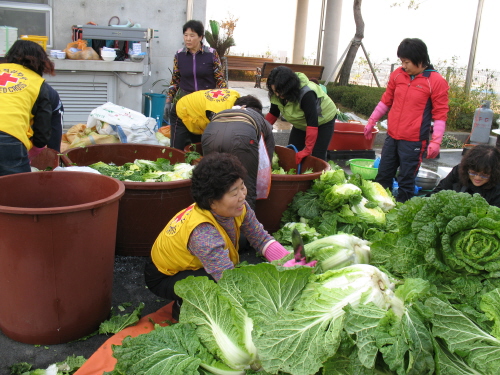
142, 170
273, 320
337, 203
450, 239
276, 168
66, 367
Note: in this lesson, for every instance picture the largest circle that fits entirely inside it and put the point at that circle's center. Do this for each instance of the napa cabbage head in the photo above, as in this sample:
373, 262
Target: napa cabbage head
338, 195
374, 192
329, 178
369, 215
337, 251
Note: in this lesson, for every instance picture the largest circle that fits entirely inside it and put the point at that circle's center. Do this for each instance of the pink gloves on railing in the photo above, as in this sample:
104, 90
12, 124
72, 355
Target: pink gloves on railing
380, 110
276, 251
437, 138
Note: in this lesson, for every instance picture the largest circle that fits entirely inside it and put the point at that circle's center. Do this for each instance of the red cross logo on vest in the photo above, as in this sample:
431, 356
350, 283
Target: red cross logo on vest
7, 77
217, 93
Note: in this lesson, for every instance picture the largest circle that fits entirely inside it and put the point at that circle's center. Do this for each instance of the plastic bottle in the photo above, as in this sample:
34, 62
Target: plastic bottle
158, 123
376, 162
481, 126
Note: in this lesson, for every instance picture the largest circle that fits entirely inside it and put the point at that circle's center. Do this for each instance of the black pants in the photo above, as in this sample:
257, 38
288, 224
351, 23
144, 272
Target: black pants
163, 285
325, 132
405, 155
180, 136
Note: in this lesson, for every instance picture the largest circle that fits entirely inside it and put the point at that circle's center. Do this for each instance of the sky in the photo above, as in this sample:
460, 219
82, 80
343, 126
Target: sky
446, 26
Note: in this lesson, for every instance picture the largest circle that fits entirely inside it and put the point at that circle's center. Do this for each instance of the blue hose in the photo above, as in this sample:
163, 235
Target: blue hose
295, 149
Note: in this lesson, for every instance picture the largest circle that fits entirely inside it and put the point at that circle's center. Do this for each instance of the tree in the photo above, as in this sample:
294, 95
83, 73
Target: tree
345, 70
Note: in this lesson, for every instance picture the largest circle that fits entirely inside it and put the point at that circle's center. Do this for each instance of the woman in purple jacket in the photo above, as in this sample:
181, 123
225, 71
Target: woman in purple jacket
196, 67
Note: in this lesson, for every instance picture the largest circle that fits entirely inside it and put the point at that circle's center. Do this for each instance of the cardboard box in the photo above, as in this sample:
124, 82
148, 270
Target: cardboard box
8, 35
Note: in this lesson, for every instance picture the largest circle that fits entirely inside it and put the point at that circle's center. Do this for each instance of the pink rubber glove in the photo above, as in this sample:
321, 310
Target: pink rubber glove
271, 119
380, 110
311, 136
34, 152
275, 251
368, 128
433, 150
302, 262
437, 137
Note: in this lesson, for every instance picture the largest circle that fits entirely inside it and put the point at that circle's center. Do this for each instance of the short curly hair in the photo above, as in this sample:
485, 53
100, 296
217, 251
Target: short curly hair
286, 83
481, 159
214, 175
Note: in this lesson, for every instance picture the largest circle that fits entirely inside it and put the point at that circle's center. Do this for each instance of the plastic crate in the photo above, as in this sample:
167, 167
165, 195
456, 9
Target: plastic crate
42, 40
364, 167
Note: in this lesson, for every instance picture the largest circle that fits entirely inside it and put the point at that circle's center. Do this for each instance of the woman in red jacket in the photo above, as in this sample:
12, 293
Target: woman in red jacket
415, 96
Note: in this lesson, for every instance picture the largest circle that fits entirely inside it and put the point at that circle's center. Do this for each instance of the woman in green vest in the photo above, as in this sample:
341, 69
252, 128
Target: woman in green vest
308, 108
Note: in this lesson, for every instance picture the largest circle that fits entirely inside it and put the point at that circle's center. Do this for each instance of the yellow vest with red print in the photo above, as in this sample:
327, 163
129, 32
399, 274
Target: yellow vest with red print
19, 90
192, 108
170, 253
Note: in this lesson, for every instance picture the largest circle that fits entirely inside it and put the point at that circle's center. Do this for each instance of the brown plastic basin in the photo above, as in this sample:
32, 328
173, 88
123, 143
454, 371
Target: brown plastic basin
58, 232
285, 186
146, 207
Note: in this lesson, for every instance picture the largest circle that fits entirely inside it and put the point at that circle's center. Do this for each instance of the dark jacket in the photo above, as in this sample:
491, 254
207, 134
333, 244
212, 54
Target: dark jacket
452, 182
232, 131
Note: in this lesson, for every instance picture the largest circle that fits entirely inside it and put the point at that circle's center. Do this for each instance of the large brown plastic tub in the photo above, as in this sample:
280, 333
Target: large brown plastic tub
146, 207
46, 159
57, 233
285, 186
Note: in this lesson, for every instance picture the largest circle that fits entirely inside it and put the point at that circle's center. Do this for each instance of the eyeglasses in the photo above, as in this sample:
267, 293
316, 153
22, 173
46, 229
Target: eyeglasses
483, 176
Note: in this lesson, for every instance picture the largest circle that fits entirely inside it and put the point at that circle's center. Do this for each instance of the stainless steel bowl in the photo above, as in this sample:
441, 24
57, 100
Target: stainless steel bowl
137, 58
427, 179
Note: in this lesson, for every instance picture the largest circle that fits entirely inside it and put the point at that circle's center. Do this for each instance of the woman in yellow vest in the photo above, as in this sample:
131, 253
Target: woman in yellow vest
202, 240
25, 109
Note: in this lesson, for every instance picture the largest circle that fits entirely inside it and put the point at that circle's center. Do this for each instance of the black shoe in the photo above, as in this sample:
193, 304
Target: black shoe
176, 309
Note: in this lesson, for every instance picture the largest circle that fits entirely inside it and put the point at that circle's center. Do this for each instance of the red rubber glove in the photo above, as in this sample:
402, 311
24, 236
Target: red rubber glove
437, 137
311, 136
271, 119
302, 262
275, 251
380, 110
34, 152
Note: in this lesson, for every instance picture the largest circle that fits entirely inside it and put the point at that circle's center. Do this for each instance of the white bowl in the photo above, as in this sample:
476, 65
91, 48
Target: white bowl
108, 58
108, 53
137, 58
61, 55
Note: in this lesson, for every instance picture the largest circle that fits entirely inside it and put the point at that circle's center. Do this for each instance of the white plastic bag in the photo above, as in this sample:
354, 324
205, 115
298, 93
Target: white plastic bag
130, 126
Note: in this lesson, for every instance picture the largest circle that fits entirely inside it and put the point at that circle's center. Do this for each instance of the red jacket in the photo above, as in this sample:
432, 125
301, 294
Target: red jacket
414, 103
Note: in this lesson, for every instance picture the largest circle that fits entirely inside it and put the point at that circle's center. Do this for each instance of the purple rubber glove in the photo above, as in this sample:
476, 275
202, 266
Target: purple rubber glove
302, 262
34, 152
275, 251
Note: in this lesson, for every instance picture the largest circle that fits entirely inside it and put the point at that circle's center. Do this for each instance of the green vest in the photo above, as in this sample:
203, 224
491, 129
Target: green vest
292, 112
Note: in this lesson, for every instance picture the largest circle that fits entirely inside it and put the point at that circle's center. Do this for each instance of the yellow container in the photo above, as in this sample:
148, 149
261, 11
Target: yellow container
42, 40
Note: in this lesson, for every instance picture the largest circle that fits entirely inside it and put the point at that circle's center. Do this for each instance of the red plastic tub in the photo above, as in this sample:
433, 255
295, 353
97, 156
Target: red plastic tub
46, 159
350, 136
284, 187
58, 232
146, 207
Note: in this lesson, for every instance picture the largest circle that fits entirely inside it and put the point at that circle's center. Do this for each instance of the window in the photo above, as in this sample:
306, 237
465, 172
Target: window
31, 17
